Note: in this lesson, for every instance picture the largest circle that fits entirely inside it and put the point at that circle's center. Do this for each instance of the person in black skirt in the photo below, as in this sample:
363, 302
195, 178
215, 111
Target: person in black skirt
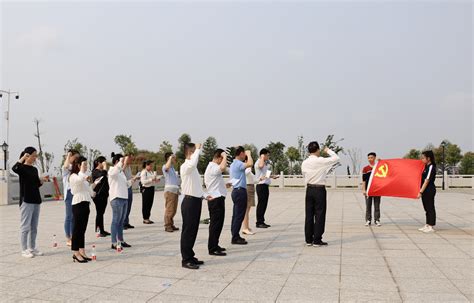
101, 194
147, 187
428, 190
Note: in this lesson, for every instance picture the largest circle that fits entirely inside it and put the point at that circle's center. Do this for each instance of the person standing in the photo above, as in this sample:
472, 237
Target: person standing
127, 170
101, 194
30, 201
216, 186
82, 197
366, 171
239, 192
118, 194
263, 192
71, 156
251, 179
191, 206
171, 191
147, 180
428, 190
314, 169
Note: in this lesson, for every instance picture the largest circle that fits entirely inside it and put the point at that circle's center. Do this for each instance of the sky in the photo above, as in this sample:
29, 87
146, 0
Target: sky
386, 76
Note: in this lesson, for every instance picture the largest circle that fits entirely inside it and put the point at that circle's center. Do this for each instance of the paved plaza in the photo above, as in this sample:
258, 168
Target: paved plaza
392, 263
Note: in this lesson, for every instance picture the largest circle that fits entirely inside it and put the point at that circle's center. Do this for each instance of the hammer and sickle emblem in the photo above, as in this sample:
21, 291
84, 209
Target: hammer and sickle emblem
382, 171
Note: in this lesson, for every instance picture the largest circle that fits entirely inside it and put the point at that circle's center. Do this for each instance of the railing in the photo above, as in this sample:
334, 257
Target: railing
284, 181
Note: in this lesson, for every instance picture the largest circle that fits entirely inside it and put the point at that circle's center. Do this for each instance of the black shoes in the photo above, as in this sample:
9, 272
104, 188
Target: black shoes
221, 248
148, 222
190, 265
104, 234
128, 226
197, 262
240, 241
263, 225
320, 243
174, 228
124, 244
217, 253
74, 259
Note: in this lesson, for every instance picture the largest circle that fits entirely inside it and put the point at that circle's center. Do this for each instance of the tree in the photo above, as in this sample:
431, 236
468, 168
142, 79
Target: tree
165, 147
48, 157
40, 147
453, 155
467, 164
76, 145
356, 159
126, 144
294, 157
413, 154
208, 148
279, 161
253, 151
332, 145
182, 141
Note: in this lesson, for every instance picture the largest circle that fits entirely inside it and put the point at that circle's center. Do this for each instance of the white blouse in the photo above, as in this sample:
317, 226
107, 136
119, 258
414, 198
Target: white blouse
146, 178
80, 188
118, 183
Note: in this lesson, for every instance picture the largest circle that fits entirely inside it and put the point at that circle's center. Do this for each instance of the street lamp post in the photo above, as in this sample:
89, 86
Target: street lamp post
7, 113
5, 150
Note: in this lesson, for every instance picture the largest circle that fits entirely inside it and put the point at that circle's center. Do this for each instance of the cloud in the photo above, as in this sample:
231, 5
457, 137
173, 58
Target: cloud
39, 40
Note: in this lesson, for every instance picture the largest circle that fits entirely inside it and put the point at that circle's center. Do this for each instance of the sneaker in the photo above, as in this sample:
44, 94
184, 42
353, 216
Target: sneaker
429, 229
423, 228
309, 244
27, 254
36, 252
367, 223
377, 223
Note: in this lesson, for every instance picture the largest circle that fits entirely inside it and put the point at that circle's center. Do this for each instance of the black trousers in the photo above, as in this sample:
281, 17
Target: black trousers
216, 214
191, 213
428, 198
368, 209
100, 206
80, 213
148, 195
263, 193
239, 197
315, 219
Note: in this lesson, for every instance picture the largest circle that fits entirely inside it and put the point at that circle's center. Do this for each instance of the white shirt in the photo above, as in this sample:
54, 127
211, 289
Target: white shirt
251, 179
118, 184
80, 188
190, 179
315, 168
146, 178
262, 172
214, 180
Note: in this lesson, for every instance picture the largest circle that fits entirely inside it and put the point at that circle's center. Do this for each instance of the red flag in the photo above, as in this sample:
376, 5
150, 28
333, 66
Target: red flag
396, 178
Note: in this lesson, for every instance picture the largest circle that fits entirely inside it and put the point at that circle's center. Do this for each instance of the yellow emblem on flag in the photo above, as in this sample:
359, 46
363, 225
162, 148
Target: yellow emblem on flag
382, 171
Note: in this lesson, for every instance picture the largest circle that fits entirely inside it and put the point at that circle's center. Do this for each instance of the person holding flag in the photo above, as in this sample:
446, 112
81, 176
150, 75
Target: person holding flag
428, 190
366, 172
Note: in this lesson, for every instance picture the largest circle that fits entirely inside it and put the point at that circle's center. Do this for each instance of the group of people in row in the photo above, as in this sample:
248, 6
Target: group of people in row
114, 184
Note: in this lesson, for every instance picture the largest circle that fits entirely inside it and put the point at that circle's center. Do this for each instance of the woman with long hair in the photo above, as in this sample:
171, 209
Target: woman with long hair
82, 193
30, 201
428, 190
99, 174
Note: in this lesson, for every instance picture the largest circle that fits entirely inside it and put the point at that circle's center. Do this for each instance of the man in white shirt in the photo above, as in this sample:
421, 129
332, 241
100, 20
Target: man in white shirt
191, 188
216, 188
262, 188
315, 169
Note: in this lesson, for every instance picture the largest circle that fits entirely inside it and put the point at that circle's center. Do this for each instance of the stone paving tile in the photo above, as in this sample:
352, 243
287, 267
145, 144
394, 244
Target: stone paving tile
359, 265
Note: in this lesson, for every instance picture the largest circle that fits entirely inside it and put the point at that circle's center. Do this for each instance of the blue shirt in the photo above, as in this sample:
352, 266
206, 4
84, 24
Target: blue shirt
171, 179
237, 172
